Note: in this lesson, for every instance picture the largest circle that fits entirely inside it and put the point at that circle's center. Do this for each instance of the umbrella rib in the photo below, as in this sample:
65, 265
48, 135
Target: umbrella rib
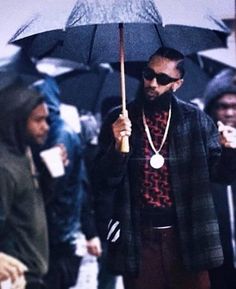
92, 44
159, 35
23, 28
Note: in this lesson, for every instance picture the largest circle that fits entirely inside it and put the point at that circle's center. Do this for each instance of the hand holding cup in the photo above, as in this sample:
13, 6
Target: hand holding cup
53, 160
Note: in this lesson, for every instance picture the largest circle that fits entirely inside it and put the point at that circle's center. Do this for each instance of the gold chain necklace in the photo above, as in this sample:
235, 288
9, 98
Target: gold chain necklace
157, 160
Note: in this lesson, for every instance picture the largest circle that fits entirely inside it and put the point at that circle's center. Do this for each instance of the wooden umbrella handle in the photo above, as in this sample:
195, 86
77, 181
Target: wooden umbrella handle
124, 148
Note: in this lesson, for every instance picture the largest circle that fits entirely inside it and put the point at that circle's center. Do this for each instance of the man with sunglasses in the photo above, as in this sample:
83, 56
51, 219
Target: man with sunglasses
164, 231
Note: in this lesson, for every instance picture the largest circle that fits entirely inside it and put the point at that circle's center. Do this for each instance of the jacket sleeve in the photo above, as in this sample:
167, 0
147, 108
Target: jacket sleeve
88, 217
7, 188
226, 171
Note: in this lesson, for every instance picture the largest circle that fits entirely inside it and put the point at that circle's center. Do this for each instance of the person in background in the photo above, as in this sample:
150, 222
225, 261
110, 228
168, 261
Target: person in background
63, 195
106, 279
23, 228
220, 104
71, 116
164, 231
100, 217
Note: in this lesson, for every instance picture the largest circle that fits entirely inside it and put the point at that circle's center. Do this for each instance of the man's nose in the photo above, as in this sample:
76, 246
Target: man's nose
153, 82
230, 111
46, 126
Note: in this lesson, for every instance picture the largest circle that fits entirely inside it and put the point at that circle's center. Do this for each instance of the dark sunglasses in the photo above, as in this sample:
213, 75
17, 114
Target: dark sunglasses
161, 78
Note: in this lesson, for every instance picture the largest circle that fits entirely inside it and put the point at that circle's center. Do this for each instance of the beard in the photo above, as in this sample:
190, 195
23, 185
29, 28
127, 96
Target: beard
158, 102
152, 95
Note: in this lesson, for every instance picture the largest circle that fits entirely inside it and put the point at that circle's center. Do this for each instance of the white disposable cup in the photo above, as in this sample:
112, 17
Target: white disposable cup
53, 160
6, 284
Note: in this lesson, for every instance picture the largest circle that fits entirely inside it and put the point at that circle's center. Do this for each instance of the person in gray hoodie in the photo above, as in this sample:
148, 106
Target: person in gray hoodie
220, 104
23, 230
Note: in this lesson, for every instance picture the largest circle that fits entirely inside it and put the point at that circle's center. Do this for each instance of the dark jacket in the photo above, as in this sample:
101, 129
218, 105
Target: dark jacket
194, 159
220, 196
63, 195
223, 83
23, 231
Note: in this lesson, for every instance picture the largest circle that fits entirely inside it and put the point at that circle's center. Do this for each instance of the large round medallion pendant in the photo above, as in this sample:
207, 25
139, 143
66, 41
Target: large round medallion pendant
157, 161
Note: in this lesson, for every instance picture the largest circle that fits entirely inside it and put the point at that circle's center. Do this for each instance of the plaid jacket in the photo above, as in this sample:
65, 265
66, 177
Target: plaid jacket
195, 159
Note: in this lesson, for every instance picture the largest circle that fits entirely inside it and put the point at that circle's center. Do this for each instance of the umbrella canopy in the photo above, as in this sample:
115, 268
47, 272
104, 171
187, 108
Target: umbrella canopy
88, 90
72, 13
16, 64
225, 55
88, 32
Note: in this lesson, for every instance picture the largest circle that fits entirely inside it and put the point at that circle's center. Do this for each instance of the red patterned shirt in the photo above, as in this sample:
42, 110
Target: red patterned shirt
155, 185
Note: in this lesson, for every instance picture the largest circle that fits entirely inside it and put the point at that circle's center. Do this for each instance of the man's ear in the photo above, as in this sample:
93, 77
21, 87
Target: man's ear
177, 84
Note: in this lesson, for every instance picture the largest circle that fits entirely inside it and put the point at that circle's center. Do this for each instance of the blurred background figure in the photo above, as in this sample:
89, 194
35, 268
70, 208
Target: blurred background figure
105, 278
90, 128
63, 195
70, 115
220, 104
68, 207
23, 230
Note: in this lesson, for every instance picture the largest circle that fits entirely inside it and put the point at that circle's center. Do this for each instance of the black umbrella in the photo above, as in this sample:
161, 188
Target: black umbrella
61, 30
17, 65
88, 91
90, 33
170, 19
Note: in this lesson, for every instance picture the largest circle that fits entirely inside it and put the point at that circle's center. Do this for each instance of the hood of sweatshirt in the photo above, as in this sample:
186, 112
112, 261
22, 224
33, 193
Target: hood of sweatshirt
17, 102
224, 82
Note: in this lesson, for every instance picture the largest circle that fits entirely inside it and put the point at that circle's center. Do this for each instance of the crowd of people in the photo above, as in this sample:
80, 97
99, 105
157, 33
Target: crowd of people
161, 215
